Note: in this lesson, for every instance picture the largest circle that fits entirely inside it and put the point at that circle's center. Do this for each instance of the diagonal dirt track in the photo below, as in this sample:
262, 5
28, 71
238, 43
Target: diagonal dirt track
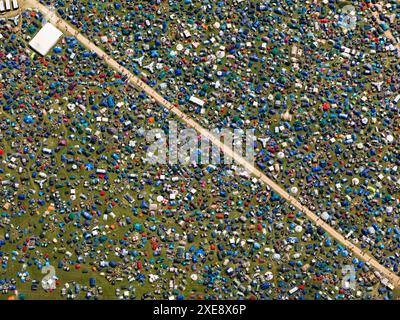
67, 28
388, 34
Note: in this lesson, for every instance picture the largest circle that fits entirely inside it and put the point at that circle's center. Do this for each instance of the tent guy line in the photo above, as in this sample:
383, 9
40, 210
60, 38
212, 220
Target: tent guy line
67, 28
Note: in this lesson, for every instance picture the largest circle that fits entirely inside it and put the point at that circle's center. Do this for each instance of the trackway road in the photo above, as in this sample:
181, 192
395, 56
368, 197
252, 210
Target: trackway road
52, 17
388, 34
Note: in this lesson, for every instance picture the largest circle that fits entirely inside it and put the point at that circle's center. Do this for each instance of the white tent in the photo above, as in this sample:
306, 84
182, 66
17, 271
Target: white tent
45, 39
197, 101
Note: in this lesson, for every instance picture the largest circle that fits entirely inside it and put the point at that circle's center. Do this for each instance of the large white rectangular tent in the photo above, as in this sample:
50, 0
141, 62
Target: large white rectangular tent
45, 39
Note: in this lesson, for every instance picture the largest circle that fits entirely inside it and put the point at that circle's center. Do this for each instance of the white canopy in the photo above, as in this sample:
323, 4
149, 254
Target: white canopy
45, 39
